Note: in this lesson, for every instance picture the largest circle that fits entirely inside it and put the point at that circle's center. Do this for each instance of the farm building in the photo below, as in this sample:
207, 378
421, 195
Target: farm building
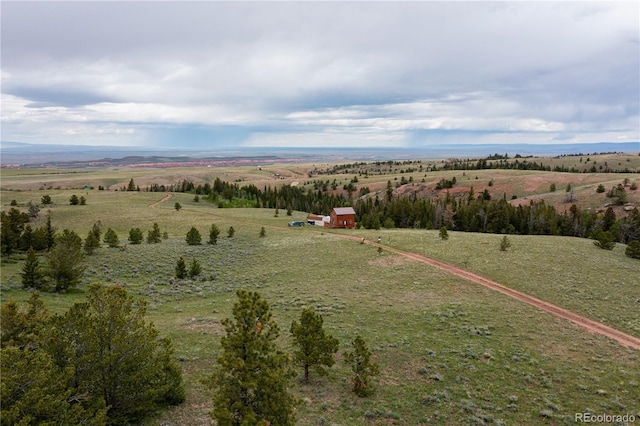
316, 219
342, 217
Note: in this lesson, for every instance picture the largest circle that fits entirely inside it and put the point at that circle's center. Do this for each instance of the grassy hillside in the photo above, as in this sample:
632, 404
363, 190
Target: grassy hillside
450, 352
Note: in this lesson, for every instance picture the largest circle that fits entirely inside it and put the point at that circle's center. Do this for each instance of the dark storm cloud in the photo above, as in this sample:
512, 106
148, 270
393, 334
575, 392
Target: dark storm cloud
320, 72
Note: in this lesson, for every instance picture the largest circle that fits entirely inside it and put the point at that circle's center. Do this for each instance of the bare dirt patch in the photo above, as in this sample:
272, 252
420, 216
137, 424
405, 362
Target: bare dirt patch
387, 261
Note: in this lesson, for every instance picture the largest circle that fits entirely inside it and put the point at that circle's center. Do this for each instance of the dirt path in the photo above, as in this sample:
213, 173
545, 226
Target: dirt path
593, 326
166, 198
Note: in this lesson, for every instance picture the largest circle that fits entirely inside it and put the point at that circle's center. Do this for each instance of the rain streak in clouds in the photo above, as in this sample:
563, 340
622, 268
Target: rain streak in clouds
287, 74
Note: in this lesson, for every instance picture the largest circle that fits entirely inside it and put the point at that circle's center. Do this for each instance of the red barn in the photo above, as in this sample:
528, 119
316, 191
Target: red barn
342, 217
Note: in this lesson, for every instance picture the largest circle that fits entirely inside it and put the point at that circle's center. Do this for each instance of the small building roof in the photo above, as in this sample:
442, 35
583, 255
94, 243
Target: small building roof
344, 210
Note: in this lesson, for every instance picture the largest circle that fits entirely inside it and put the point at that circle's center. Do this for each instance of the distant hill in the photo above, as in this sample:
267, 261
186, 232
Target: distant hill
24, 154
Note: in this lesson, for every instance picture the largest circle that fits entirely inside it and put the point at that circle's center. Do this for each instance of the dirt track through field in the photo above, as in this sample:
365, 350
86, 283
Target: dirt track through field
166, 198
593, 326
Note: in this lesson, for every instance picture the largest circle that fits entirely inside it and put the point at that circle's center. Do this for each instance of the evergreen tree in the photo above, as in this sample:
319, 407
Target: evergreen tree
633, 249
65, 261
27, 238
32, 276
154, 236
35, 392
604, 239
50, 231
360, 361
314, 347
83, 201
22, 327
181, 269
214, 232
263, 232
12, 224
91, 243
444, 235
131, 186
111, 238
40, 240
194, 269
505, 243
252, 378
97, 229
177, 206
193, 237
231, 232
135, 236
115, 356
74, 200
46, 200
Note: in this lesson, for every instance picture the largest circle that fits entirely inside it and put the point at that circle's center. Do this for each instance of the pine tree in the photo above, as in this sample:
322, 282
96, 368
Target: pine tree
35, 391
154, 236
50, 231
633, 249
505, 243
32, 276
74, 200
91, 243
231, 232
131, 186
193, 237
177, 206
111, 238
604, 239
194, 269
314, 347
115, 356
263, 232
22, 327
362, 367
135, 236
253, 376
444, 235
97, 229
181, 269
214, 232
65, 261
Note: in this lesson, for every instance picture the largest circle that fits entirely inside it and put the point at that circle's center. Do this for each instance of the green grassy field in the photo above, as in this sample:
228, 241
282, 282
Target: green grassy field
450, 351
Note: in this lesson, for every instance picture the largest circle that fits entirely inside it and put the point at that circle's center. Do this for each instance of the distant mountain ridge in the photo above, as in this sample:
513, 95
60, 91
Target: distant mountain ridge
17, 154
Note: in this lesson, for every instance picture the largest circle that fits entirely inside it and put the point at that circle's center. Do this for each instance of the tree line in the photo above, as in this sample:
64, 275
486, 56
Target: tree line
468, 212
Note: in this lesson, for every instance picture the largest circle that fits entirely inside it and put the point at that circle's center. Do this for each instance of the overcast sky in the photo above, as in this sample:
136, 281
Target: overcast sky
284, 74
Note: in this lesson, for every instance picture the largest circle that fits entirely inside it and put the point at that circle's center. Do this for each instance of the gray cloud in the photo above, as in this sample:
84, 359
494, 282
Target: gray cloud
360, 72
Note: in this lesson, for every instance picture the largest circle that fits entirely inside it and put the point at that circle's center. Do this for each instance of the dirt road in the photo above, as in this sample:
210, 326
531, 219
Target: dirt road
593, 326
166, 198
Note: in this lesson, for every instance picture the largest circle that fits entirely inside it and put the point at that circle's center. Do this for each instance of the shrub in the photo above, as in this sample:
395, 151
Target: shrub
633, 249
604, 239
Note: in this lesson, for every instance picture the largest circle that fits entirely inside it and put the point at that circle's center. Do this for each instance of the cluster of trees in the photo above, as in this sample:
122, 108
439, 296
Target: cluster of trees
98, 363
482, 214
468, 213
251, 381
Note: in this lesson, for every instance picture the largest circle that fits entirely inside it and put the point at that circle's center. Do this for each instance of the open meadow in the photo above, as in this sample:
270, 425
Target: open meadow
450, 351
